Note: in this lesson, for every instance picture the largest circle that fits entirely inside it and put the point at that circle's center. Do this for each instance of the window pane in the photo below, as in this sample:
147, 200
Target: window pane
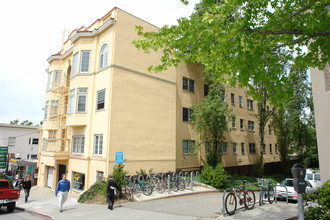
82, 103
185, 83
100, 100
74, 64
104, 56
71, 101
84, 67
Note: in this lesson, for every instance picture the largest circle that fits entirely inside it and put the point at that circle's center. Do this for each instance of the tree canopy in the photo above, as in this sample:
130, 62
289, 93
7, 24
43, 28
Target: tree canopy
235, 39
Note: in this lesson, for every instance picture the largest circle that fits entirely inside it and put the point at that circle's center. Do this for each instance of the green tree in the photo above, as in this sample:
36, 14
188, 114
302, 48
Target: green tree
234, 39
25, 122
295, 123
210, 119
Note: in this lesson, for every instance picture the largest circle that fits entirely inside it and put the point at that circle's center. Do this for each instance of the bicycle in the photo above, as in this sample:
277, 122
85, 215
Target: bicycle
267, 191
246, 197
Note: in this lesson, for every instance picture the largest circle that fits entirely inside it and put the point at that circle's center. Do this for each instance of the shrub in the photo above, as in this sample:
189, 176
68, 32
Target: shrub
258, 168
95, 189
118, 174
214, 176
322, 210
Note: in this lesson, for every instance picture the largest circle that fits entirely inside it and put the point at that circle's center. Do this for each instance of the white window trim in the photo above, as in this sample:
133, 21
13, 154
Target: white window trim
98, 150
81, 60
79, 94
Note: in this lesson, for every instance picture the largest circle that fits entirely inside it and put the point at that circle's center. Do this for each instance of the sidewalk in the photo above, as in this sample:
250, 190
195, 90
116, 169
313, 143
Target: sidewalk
43, 203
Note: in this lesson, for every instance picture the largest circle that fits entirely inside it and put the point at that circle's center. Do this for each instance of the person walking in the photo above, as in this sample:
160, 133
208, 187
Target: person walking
26, 184
62, 191
111, 187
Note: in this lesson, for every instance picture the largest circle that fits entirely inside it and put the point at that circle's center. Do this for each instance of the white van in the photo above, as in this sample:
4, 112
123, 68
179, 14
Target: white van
313, 176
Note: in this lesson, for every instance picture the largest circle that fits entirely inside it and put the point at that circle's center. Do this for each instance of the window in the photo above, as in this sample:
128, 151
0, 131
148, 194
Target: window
100, 100
82, 98
44, 144
53, 108
84, 64
52, 134
270, 129
207, 147
252, 148
233, 123
33, 141
263, 148
46, 110
251, 125
48, 81
71, 101
75, 64
250, 104
78, 181
222, 148
78, 144
104, 56
241, 124
11, 141
34, 156
186, 114
188, 146
234, 148
188, 84
232, 98
56, 78
242, 148
270, 148
240, 100
98, 144
276, 148
222, 96
327, 79
206, 89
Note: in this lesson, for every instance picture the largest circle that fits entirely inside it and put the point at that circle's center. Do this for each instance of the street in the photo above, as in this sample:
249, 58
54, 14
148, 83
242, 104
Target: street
200, 205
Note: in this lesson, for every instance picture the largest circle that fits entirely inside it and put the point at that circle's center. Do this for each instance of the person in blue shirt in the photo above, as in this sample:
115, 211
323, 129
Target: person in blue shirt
62, 191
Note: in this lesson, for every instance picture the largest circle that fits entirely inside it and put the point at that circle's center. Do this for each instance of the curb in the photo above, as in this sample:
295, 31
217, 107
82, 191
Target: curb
178, 195
42, 215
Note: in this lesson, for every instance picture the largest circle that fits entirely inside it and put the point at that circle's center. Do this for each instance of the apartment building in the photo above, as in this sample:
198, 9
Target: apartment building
101, 100
22, 141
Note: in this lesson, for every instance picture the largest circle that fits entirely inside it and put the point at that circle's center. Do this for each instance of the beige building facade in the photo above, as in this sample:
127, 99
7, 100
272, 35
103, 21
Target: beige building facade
321, 98
101, 100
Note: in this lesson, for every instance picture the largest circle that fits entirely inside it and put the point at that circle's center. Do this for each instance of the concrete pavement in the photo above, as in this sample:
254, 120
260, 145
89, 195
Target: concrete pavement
202, 203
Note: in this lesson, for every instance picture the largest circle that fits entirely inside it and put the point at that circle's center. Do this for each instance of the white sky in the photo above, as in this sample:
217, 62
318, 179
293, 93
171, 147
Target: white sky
32, 30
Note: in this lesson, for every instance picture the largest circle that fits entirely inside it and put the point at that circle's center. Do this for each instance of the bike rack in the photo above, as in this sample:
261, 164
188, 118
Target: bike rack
241, 186
286, 189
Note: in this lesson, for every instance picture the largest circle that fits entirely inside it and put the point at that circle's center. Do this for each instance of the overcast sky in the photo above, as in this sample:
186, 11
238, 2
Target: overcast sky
32, 30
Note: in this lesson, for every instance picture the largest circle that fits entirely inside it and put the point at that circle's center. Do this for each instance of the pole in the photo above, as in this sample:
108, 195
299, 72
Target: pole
300, 207
168, 184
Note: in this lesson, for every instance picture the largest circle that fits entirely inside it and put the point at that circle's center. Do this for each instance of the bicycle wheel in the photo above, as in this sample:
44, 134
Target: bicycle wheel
230, 203
181, 185
161, 186
175, 186
137, 190
271, 195
261, 197
249, 199
147, 189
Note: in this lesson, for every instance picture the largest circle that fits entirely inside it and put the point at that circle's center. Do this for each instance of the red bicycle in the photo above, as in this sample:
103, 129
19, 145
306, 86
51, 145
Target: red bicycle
243, 195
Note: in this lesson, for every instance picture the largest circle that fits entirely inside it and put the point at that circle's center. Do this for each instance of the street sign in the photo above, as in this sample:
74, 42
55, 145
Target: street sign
3, 157
119, 157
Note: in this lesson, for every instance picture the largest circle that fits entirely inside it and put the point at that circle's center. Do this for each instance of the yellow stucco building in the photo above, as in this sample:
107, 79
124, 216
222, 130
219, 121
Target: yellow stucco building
100, 100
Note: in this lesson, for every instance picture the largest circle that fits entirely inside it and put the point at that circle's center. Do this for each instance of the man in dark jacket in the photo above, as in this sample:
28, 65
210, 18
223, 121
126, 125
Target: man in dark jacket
111, 187
26, 184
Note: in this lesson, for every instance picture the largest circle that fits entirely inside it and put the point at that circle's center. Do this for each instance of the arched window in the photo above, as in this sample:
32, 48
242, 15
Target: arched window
104, 56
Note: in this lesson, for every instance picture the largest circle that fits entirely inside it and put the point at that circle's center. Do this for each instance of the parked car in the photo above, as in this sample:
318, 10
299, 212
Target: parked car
280, 192
8, 195
313, 176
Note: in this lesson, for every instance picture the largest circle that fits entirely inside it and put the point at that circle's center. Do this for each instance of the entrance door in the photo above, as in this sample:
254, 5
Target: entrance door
50, 174
61, 170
